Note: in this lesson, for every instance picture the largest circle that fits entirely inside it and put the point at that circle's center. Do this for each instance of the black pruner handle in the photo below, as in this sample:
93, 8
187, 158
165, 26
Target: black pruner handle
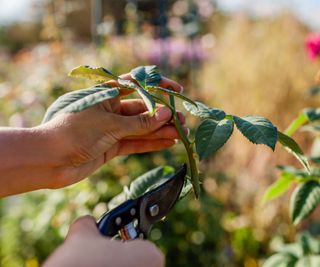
120, 220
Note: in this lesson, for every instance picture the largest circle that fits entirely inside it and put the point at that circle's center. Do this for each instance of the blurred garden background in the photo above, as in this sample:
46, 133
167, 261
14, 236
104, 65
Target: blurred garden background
245, 57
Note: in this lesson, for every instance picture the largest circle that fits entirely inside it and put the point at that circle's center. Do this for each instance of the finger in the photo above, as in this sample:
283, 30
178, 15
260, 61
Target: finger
129, 107
84, 225
166, 132
142, 146
146, 253
181, 118
142, 123
170, 84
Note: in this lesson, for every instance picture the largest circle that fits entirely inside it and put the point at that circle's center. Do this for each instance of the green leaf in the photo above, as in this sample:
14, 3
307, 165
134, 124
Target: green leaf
146, 75
146, 97
128, 84
280, 260
308, 243
258, 130
149, 181
312, 113
279, 187
304, 200
296, 124
148, 100
309, 261
202, 111
171, 93
79, 100
211, 136
99, 74
292, 147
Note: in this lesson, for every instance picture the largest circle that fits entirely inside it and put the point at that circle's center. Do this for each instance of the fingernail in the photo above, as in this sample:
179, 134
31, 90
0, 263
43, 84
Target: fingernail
163, 114
187, 131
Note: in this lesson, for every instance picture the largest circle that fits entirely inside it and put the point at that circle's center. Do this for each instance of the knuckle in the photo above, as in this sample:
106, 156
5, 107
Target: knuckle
144, 122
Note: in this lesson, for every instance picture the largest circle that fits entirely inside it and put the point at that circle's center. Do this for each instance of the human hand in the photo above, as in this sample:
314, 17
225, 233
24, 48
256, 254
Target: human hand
115, 127
85, 246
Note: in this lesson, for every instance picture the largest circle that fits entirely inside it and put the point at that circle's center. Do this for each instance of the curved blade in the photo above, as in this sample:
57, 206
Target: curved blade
161, 200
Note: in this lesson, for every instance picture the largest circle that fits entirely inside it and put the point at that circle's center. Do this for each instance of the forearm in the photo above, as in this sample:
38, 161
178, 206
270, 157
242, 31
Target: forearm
29, 159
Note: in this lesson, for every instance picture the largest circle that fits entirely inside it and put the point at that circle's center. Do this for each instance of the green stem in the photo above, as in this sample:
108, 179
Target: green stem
296, 124
193, 170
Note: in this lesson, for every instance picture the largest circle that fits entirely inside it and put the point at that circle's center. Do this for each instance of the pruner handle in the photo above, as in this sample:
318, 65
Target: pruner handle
122, 220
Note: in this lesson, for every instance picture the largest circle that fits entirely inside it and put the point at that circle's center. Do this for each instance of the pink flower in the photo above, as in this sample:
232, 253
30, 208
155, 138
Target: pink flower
313, 45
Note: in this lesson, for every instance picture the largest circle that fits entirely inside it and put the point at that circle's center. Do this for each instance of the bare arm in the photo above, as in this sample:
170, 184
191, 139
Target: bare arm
30, 159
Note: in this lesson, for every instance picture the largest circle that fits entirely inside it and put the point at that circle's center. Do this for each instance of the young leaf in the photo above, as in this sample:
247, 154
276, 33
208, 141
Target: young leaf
79, 100
279, 187
304, 200
149, 180
202, 111
171, 93
99, 74
211, 136
146, 75
258, 130
292, 147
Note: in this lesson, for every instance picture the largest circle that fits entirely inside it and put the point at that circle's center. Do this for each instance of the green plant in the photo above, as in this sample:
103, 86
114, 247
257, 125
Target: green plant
306, 196
303, 253
213, 132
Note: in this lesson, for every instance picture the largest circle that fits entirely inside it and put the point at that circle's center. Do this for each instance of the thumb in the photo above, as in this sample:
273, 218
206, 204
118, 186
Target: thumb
143, 123
83, 226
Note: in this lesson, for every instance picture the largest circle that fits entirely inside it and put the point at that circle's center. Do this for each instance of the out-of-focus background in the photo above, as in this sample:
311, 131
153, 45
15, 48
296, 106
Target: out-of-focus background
243, 56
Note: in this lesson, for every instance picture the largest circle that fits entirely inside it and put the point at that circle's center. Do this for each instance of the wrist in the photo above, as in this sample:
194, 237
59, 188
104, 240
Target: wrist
56, 153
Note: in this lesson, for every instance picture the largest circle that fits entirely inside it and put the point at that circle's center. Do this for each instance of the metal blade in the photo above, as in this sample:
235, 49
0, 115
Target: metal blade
158, 202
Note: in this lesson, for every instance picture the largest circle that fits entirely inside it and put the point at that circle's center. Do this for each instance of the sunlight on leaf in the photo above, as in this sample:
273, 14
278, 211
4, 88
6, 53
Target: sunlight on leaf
304, 200
203, 111
148, 100
98, 74
280, 260
279, 187
79, 100
146, 75
292, 147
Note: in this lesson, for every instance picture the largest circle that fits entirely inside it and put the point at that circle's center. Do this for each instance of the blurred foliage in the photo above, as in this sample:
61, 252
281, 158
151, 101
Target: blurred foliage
243, 65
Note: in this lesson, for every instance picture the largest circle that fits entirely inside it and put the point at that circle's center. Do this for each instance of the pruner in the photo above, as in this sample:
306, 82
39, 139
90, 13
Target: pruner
135, 217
